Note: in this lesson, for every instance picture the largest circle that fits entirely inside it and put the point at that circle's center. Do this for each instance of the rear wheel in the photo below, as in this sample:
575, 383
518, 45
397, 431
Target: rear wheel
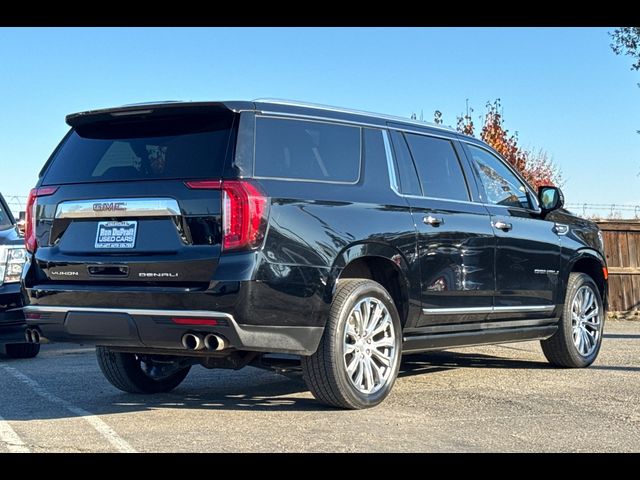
577, 342
135, 373
22, 350
358, 358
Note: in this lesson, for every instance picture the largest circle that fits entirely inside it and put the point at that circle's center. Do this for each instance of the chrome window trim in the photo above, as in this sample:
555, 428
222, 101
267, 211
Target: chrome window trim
307, 180
451, 138
134, 207
315, 118
470, 310
390, 163
363, 113
130, 311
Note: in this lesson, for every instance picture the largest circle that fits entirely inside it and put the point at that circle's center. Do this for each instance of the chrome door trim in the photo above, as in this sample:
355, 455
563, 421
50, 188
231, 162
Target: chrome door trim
471, 310
455, 311
118, 207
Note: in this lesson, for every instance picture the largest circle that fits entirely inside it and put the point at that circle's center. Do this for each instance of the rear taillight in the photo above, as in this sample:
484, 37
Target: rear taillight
244, 215
30, 241
244, 212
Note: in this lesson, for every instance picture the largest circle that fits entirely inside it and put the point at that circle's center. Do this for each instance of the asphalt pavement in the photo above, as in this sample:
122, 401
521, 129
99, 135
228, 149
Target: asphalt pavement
483, 399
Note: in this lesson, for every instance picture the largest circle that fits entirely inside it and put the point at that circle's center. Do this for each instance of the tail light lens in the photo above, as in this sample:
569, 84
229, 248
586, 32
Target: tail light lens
30, 241
244, 212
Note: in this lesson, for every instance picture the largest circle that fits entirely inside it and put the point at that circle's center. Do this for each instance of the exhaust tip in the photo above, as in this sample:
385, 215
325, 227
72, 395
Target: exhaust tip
191, 341
32, 335
215, 342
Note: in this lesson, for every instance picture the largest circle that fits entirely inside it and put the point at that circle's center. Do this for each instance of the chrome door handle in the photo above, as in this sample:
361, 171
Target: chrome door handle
504, 226
433, 221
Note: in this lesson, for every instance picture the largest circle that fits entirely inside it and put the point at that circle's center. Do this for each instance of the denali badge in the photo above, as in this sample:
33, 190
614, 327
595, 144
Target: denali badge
158, 275
109, 206
62, 272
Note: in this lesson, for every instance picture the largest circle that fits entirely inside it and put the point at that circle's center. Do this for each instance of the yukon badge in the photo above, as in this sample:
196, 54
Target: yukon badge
64, 272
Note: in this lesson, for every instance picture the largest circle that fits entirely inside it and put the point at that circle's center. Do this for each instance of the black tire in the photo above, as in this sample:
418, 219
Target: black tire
325, 372
560, 349
22, 350
124, 371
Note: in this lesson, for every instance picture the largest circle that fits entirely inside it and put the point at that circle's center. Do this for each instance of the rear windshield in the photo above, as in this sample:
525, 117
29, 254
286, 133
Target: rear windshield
182, 147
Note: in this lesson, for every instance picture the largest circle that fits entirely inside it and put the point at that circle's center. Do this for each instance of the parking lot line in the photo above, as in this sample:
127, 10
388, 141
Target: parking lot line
100, 426
10, 438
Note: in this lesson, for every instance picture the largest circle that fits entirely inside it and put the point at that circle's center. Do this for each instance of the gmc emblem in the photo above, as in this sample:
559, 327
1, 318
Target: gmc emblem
109, 206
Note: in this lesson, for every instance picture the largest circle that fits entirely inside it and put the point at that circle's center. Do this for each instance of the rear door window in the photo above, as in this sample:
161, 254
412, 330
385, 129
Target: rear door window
438, 167
306, 150
179, 147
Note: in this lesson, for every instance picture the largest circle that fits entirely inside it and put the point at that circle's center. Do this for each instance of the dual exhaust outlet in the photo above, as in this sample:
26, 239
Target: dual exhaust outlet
32, 335
197, 341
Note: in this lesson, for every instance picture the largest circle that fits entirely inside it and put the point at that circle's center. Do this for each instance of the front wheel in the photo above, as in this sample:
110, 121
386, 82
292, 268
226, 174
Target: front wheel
577, 342
134, 373
358, 358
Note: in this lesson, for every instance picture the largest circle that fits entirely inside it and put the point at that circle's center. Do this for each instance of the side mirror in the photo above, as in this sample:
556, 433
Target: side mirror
551, 198
21, 224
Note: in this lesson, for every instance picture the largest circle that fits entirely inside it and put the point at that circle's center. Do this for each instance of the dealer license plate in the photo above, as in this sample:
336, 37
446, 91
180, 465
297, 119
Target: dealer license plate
116, 234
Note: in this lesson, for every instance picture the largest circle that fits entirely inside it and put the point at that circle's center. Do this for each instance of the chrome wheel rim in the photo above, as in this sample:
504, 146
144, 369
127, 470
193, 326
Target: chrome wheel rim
586, 321
369, 346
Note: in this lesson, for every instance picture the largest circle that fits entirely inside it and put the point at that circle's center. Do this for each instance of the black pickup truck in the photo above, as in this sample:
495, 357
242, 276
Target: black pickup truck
12, 258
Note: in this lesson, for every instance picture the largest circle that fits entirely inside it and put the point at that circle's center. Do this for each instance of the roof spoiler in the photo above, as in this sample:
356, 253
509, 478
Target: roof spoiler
146, 110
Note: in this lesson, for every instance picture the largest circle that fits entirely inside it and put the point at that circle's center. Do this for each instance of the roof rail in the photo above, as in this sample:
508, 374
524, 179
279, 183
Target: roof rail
295, 103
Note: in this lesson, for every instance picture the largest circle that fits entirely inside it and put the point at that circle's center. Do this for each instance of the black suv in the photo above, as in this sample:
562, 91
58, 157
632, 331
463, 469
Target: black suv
173, 234
12, 259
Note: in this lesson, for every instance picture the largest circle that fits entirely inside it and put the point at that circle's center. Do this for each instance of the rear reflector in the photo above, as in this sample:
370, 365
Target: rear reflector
199, 321
205, 184
605, 272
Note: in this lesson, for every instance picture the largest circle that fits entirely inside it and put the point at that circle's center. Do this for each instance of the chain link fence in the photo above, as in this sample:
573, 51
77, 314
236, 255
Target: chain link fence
605, 211
17, 203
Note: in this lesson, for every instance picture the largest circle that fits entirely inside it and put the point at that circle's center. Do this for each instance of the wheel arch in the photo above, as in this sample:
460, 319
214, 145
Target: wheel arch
592, 263
380, 262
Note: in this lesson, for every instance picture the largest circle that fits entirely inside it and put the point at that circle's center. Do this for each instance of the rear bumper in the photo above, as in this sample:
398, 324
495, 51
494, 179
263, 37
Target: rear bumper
11, 316
156, 329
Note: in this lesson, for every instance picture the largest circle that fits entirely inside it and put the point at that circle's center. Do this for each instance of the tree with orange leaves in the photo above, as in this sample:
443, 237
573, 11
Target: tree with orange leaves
534, 165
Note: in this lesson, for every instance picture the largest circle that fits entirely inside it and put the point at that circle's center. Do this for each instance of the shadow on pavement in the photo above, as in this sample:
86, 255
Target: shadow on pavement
418, 364
246, 390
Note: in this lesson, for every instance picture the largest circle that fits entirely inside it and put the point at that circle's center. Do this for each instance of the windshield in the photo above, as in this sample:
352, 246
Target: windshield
5, 220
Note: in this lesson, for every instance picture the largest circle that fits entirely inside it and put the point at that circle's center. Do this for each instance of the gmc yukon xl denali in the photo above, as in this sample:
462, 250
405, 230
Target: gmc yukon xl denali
227, 234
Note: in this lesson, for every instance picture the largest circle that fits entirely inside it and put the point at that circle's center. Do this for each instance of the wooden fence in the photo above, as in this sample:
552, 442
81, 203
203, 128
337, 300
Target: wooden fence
622, 248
